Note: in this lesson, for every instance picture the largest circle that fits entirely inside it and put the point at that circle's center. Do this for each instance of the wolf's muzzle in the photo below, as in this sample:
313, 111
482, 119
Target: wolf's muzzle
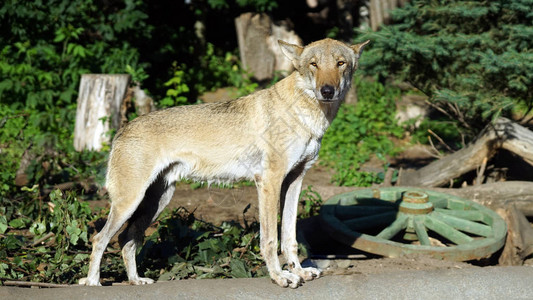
327, 92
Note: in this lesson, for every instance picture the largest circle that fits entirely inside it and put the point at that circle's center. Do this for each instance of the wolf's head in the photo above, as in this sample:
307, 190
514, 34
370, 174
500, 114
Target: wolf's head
326, 67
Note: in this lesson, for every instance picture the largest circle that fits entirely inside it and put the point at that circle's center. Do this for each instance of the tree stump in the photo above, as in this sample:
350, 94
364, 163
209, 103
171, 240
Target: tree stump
143, 103
258, 45
380, 11
99, 109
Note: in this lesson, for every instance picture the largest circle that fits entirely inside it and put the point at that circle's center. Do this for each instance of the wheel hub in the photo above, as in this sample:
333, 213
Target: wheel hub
415, 203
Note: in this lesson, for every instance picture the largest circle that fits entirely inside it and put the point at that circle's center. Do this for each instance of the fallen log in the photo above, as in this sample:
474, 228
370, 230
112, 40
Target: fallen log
519, 243
503, 134
497, 194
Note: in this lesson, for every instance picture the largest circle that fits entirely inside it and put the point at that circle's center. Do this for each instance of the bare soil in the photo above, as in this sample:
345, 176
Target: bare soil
216, 205
239, 204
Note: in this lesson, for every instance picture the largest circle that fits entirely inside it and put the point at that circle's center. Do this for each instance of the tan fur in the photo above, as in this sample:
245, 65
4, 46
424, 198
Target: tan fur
271, 136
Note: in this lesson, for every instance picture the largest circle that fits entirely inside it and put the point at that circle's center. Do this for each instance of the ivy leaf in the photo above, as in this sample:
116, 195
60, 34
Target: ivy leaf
17, 223
74, 232
239, 269
38, 228
10, 242
3, 224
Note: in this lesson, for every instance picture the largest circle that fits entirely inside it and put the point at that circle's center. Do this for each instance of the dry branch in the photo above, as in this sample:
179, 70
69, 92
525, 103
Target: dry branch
503, 134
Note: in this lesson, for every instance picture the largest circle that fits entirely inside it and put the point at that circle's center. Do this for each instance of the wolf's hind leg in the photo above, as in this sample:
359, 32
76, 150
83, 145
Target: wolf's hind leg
100, 241
156, 199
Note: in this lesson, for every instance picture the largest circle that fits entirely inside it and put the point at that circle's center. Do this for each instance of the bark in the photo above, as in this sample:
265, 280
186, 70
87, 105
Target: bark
519, 243
259, 51
143, 103
380, 11
99, 109
252, 33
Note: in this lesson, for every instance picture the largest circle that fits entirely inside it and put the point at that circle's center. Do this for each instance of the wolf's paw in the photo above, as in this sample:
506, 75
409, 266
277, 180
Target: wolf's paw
141, 281
88, 282
307, 274
286, 279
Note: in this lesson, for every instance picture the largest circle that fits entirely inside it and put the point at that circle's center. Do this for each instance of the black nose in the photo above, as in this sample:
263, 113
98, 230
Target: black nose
327, 91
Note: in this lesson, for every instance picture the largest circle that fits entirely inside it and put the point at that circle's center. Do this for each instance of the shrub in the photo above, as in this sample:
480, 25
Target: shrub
473, 58
360, 131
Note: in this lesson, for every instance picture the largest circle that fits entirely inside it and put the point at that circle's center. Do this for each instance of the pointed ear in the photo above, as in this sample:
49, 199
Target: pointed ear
358, 48
292, 52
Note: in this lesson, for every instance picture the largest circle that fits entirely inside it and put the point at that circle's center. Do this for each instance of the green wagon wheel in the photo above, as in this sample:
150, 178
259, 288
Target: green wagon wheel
397, 221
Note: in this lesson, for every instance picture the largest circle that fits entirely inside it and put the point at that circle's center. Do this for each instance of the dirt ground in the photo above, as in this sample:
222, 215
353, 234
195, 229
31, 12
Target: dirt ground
337, 261
216, 205
239, 204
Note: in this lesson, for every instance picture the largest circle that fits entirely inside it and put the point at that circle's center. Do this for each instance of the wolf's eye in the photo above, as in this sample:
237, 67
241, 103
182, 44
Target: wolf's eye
314, 64
340, 63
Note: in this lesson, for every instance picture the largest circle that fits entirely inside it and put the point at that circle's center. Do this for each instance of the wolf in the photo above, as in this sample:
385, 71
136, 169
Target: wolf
272, 137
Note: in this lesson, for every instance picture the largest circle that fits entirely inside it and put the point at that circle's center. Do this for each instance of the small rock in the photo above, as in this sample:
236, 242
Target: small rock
316, 263
344, 263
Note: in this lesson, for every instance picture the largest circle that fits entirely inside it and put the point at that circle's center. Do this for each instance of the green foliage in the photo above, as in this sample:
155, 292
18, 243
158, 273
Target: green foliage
254, 5
359, 132
447, 130
473, 58
137, 75
47, 46
223, 70
183, 247
217, 70
177, 89
51, 245
45, 242
44, 49
310, 201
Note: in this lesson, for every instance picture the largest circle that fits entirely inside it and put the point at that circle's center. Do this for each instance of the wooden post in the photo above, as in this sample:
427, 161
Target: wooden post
99, 105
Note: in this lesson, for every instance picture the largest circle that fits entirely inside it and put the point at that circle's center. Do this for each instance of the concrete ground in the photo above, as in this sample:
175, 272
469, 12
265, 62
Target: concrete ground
469, 283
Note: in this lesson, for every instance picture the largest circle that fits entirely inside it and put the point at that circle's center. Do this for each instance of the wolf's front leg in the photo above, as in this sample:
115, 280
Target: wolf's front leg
289, 245
268, 188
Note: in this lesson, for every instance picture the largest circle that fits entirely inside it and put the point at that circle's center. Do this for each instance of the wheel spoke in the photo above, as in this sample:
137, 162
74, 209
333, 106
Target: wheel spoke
375, 202
393, 228
446, 231
421, 232
349, 212
472, 215
371, 221
464, 225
